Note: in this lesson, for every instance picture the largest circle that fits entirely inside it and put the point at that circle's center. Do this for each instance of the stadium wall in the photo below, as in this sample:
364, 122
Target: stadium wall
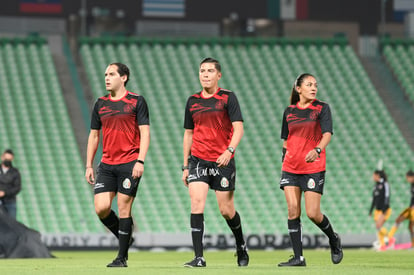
173, 241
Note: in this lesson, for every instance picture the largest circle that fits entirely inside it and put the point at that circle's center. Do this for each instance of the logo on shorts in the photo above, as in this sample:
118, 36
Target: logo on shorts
224, 182
311, 183
321, 181
284, 181
126, 183
98, 185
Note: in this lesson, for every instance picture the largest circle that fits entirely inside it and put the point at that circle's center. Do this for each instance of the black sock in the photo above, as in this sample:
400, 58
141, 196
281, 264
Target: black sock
295, 233
112, 223
236, 228
125, 232
197, 233
326, 227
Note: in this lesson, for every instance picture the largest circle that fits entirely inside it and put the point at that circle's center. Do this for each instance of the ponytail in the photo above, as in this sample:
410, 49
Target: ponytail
294, 97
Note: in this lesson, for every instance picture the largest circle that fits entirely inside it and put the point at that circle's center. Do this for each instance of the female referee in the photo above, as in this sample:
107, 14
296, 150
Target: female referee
306, 131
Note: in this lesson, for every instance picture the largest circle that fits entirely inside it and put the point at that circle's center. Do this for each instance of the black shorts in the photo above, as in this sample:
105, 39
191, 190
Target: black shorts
218, 178
116, 178
306, 182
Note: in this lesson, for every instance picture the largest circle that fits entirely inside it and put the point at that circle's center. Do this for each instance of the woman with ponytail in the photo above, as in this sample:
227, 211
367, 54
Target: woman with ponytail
306, 131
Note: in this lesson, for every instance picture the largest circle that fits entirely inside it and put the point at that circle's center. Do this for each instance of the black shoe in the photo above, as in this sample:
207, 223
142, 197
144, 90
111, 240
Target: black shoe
336, 250
294, 262
242, 256
118, 262
196, 262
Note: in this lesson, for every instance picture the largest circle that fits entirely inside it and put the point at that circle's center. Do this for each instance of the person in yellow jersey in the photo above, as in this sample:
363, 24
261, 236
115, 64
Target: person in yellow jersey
406, 214
381, 202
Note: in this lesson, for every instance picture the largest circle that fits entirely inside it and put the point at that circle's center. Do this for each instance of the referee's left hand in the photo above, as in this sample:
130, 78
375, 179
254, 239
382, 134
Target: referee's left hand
224, 159
138, 170
311, 156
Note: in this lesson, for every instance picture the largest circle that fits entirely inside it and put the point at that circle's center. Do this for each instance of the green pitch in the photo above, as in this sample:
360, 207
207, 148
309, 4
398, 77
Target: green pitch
223, 262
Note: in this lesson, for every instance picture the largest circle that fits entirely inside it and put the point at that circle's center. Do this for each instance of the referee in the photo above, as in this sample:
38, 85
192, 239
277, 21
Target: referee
213, 128
306, 131
123, 118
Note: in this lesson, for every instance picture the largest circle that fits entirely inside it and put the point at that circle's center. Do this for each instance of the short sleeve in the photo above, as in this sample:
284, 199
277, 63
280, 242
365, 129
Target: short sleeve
233, 108
96, 123
142, 112
188, 119
325, 119
284, 132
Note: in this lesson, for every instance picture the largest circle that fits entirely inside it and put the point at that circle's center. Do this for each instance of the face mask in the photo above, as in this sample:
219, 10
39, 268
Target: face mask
7, 163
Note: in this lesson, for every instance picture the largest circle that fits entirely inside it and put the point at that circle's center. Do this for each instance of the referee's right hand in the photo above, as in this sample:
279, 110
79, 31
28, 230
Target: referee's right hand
90, 178
185, 176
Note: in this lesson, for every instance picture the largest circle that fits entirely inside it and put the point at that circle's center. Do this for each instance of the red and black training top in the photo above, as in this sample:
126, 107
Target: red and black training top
303, 129
120, 121
211, 119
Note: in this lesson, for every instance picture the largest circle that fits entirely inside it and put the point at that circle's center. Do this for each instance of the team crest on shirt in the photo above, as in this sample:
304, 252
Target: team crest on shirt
314, 115
129, 108
311, 183
220, 105
224, 182
126, 183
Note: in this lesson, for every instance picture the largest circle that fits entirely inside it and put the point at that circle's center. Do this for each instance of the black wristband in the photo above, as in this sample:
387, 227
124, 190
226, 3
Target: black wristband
140, 161
184, 167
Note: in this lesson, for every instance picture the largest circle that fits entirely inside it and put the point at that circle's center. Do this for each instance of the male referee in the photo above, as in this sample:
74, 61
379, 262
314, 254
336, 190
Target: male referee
124, 120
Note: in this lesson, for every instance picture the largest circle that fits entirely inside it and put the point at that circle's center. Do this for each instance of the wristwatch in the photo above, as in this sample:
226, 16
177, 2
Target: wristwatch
318, 150
230, 149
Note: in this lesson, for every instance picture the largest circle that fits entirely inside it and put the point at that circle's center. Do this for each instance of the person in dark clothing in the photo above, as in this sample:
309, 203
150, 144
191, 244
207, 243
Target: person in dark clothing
381, 203
10, 183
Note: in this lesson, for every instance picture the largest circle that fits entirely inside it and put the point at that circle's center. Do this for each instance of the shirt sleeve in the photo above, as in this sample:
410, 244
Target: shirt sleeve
233, 108
142, 112
96, 123
284, 133
188, 119
325, 119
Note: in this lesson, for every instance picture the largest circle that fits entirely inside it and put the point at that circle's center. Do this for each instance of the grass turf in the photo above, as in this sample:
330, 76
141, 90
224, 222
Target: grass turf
355, 261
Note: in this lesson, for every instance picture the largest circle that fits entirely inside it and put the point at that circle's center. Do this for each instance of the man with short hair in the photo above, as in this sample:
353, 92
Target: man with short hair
124, 120
213, 128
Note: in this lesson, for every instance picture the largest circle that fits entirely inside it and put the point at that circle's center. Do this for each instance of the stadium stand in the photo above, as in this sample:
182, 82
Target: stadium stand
261, 72
399, 54
56, 198
34, 122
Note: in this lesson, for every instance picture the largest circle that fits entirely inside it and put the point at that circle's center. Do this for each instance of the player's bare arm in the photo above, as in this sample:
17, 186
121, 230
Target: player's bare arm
238, 132
138, 169
93, 142
187, 142
313, 154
